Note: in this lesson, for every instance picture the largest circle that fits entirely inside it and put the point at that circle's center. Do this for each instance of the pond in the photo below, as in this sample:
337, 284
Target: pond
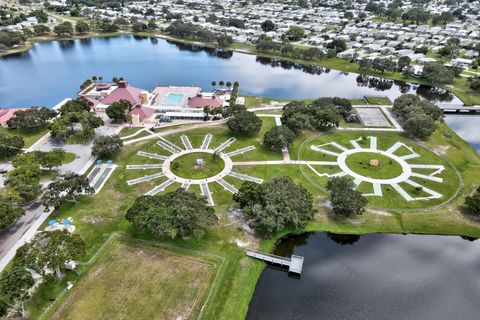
52, 71
373, 276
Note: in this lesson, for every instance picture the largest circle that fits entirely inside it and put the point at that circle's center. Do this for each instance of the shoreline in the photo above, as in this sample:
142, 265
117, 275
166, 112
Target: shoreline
336, 64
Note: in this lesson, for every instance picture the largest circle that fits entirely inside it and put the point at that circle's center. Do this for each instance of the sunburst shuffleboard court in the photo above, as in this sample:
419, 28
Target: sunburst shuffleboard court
190, 165
392, 171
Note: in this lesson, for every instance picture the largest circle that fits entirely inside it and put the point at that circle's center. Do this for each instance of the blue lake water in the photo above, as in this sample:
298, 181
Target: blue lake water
52, 71
374, 276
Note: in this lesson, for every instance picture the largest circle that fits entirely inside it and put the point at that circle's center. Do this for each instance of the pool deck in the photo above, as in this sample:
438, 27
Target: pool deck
161, 95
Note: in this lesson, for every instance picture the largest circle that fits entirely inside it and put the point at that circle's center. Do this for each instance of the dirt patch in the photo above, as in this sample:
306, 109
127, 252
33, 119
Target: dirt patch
139, 282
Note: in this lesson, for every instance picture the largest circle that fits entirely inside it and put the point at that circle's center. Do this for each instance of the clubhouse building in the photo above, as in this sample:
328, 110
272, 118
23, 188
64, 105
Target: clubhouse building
186, 103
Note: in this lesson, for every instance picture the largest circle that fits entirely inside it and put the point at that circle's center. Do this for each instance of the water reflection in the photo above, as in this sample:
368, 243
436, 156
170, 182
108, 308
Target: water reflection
466, 126
343, 239
54, 72
380, 277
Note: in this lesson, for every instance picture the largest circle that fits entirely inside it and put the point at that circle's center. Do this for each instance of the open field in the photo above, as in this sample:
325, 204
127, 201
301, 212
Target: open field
186, 166
134, 281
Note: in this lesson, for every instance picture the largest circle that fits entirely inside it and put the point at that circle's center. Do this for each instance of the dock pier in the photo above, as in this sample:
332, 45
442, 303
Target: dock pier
294, 263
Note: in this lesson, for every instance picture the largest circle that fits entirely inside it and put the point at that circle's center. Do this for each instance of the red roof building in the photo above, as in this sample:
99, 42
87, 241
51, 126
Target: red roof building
141, 111
7, 114
124, 92
201, 102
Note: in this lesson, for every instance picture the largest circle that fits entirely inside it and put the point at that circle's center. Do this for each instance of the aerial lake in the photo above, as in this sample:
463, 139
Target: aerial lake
373, 276
52, 71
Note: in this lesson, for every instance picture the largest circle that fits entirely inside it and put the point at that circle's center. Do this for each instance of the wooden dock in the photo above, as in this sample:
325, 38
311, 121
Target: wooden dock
294, 263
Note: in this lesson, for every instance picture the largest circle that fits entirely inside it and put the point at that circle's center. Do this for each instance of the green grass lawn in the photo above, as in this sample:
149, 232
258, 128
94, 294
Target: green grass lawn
29, 136
126, 131
387, 168
186, 166
378, 100
138, 281
69, 157
358, 101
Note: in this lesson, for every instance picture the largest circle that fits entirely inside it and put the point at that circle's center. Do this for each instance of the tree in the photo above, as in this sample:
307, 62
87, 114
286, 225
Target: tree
50, 159
224, 40
435, 73
9, 213
403, 62
275, 205
64, 28
152, 25
106, 146
82, 27
50, 250
320, 115
406, 103
267, 26
66, 187
77, 105
178, 213
108, 27
14, 286
31, 119
348, 15
41, 30
118, 110
473, 203
10, 145
344, 199
245, 123
139, 27
24, 179
338, 44
278, 138
420, 126
295, 33
214, 84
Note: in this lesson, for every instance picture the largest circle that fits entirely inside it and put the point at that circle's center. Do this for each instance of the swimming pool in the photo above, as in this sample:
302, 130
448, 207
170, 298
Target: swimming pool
173, 99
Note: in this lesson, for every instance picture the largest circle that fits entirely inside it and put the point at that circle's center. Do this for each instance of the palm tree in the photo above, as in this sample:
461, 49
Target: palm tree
214, 83
236, 84
229, 84
114, 79
221, 83
100, 78
94, 78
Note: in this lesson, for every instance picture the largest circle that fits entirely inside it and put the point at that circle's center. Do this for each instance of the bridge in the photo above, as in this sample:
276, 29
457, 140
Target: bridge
294, 264
457, 108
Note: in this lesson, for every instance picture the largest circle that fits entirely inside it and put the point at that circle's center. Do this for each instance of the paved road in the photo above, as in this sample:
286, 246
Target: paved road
26, 226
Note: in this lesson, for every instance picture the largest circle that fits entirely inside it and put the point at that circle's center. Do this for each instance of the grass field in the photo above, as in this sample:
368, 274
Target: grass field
378, 100
29, 136
186, 166
135, 281
126, 131
69, 157
386, 169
